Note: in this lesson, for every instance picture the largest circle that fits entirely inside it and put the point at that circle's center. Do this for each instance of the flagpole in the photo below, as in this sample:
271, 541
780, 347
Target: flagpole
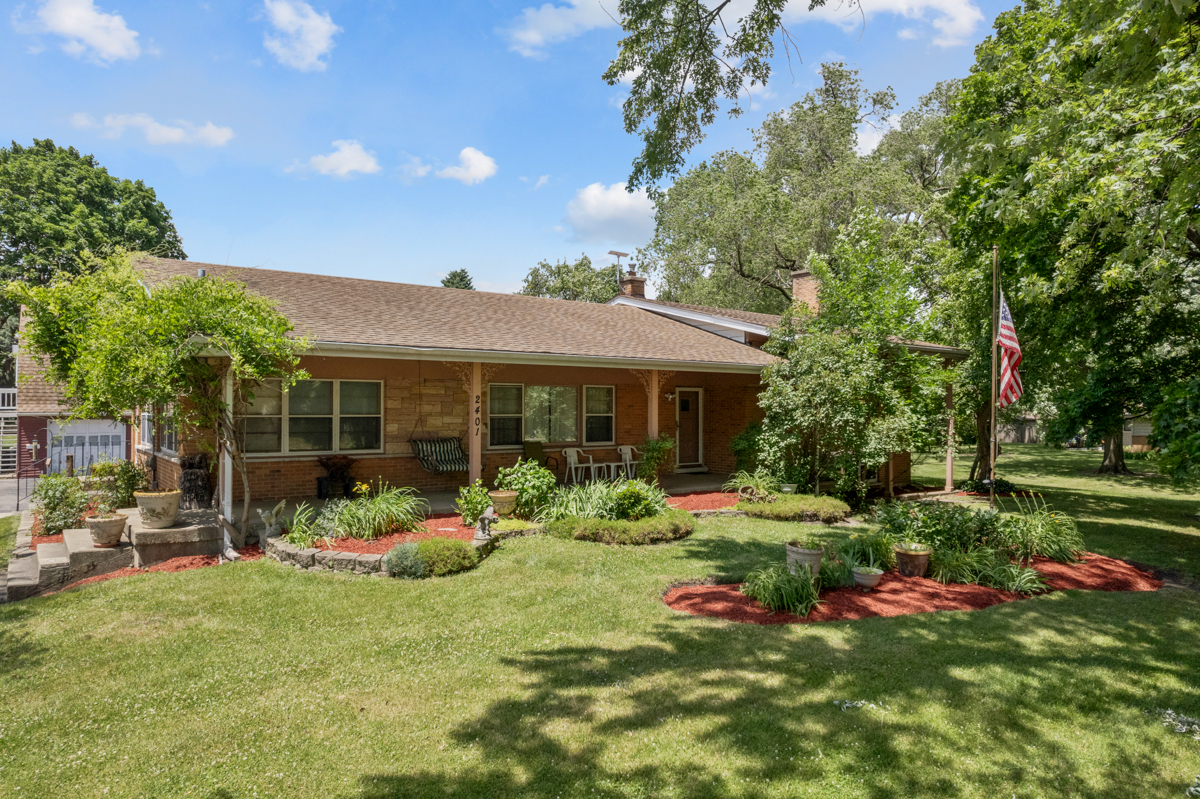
995, 331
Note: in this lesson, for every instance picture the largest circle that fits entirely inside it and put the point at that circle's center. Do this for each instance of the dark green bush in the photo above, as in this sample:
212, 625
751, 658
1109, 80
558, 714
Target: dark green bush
443, 556
667, 526
127, 477
745, 447
798, 508
533, 483
942, 525
982, 486
404, 561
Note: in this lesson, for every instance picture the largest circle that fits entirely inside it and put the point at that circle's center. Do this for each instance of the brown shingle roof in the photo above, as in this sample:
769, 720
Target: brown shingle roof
35, 396
764, 319
376, 313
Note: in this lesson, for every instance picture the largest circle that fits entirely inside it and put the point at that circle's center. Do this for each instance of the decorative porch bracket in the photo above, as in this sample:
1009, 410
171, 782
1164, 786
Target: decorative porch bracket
651, 380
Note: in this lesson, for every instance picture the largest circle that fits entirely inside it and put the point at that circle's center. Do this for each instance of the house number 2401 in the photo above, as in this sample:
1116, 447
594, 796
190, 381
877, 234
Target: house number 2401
478, 409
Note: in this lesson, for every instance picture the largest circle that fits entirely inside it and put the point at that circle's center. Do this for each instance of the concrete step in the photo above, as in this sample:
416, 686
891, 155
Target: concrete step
88, 560
22, 577
54, 566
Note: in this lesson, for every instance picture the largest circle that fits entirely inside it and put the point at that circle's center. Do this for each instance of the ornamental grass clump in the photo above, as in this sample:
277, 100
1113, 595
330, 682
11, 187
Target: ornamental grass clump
1041, 531
757, 486
616, 501
385, 510
778, 590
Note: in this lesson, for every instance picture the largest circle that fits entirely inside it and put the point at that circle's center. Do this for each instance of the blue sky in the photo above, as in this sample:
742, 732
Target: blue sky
400, 141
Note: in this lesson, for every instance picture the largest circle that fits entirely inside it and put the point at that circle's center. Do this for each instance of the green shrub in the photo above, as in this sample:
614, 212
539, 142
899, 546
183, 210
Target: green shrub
1014, 577
777, 589
836, 569
959, 566
1037, 530
942, 525
60, 504
443, 556
404, 561
623, 499
655, 454
669, 526
472, 502
983, 486
384, 511
745, 447
534, 485
126, 477
305, 528
798, 508
760, 482
876, 550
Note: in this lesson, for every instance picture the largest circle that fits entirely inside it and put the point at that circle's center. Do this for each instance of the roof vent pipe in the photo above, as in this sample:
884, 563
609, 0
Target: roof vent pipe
201, 272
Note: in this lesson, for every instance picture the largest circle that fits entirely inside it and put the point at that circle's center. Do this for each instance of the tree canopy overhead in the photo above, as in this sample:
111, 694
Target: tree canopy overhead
57, 208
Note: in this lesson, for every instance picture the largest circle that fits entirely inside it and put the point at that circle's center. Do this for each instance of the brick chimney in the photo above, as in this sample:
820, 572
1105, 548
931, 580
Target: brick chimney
804, 289
633, 285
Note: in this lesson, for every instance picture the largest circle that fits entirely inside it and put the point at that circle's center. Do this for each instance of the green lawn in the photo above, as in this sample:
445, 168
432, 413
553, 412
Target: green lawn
554, 670
8, 538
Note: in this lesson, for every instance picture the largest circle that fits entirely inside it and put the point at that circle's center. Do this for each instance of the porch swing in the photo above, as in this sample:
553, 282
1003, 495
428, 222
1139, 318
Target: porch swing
439, 455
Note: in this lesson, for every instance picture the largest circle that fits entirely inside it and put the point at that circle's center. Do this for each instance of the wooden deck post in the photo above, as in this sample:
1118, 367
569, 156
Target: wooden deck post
652, 407
475, 453
950, 437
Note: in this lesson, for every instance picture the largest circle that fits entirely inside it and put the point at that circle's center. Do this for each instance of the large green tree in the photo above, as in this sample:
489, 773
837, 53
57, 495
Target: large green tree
113, 339
577, 280
1076, 134
459, 279
57, 207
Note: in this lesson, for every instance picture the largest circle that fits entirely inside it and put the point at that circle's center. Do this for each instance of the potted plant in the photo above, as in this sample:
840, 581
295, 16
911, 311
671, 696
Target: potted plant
504, 502
912, 558
867, 575
158, 508
805, 553
337, 472
106, 526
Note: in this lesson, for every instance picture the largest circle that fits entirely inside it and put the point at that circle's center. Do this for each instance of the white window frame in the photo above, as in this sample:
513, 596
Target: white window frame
337, 416
167, 429
612, 415
520, 416
146, 432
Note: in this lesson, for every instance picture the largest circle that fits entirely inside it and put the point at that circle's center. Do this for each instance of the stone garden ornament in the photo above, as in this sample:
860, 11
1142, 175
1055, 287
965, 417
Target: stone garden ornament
483, 525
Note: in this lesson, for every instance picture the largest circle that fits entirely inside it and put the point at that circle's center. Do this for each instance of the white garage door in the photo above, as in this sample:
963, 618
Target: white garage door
88, 441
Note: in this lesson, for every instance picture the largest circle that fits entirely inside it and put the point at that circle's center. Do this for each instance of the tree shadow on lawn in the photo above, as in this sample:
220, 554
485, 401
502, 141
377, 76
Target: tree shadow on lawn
754, 697
18, 651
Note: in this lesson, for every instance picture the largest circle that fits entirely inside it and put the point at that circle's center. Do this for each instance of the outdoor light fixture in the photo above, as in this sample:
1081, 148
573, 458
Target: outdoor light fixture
669, 395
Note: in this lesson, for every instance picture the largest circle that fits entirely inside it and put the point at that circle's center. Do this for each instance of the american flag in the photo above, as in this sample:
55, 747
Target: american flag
1010, 357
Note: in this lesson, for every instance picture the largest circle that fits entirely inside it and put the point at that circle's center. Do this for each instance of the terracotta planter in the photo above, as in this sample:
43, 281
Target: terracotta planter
106, 530
912, 562
866, 577
504, 502
798, 557
157, 508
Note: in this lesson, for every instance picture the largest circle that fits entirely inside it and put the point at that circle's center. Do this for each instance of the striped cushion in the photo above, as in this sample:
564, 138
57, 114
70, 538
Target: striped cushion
440, 455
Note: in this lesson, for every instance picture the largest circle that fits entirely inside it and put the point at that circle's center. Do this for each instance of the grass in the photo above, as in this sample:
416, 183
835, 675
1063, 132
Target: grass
1139, 517
8, 538
554, 670
798, 507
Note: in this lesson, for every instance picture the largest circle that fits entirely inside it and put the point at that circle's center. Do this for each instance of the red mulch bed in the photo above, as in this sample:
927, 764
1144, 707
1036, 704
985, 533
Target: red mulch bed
900, 596
38, 540
441, 525
703, 500
183, 564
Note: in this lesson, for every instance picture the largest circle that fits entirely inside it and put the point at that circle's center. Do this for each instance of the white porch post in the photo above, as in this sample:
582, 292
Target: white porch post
476, 423
652, 407
226, 457
950, 437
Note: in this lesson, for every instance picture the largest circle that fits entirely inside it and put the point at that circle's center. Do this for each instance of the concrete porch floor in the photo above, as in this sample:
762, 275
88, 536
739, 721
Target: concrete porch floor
443, 501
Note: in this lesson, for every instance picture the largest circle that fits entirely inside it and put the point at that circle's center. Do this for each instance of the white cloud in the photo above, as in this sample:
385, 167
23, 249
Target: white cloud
413, 169
305, 37
541, 181
537, 28
181, 132
758, 94
954, 20
601, 213
347, 158
473, 167
89, 32
870, 135
908, 34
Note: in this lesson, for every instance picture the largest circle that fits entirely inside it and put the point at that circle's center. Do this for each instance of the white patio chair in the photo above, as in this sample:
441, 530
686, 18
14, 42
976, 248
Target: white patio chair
628, 461
575, 464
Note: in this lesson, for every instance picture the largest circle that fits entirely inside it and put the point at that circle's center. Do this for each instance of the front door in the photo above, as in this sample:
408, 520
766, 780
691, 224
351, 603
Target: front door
689, 427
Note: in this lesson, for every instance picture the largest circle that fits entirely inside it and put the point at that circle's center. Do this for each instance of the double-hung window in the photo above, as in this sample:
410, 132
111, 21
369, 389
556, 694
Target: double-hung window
505, 416
168, 437
314, 416
599, 414
551, 414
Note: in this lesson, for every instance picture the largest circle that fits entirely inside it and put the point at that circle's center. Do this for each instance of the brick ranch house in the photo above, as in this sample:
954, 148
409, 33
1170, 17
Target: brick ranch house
391, 362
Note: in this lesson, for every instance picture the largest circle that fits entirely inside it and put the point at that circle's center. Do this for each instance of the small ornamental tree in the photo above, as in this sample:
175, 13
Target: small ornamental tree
113, 341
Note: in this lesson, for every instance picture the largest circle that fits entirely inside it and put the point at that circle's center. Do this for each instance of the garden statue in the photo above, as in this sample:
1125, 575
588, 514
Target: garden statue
272, 521
483, 525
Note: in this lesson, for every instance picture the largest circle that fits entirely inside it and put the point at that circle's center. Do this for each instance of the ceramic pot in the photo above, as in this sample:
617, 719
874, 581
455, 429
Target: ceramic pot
798, 557
912, 562
866, 577
788, 488
504, 502
157, 508
106, 530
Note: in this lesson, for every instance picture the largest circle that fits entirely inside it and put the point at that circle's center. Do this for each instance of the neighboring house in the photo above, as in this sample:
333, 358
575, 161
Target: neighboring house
44, 435
1023, 430
391, 362
1136, 435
